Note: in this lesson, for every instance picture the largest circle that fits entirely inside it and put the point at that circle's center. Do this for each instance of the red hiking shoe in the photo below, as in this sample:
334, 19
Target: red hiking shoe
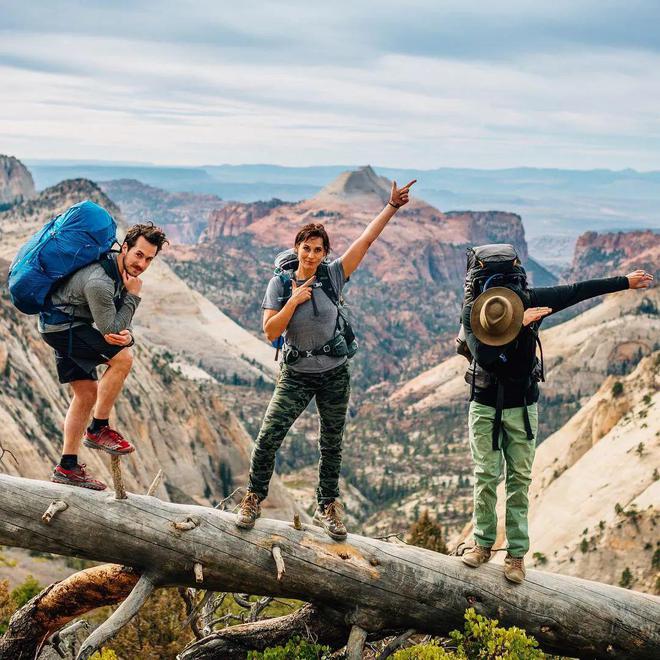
109, 440
76, 477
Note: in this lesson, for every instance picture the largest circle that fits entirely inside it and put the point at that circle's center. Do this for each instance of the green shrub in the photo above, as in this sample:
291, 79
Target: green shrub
539, 559
295, 649
427, 533
481, 638
26, 591
626, 578
617, 389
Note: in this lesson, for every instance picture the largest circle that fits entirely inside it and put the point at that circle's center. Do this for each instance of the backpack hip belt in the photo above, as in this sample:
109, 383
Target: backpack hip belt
336, 347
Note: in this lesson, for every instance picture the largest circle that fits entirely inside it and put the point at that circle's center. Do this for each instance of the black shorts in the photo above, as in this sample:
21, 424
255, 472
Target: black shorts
88, 350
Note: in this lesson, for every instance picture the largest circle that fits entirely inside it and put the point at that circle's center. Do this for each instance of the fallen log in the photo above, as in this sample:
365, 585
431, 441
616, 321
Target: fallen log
375, 585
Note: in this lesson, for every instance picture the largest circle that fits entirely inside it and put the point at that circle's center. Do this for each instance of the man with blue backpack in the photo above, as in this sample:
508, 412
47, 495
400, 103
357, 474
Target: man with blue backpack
500, 321
86, 297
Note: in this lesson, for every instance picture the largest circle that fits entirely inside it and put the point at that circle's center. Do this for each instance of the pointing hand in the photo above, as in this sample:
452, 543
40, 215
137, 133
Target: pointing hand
399, 196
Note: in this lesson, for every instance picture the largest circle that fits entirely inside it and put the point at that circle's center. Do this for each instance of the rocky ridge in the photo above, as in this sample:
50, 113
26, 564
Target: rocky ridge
183, 216
16, 183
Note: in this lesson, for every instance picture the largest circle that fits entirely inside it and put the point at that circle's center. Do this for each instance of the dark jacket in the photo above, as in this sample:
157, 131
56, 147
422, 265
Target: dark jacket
514, 362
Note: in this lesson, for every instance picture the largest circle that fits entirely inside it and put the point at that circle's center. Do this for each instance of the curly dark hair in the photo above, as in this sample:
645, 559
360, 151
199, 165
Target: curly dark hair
313, 230
155, 235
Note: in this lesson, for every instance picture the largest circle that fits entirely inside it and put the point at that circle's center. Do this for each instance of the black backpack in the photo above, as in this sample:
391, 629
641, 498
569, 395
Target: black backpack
488, 266
491, 265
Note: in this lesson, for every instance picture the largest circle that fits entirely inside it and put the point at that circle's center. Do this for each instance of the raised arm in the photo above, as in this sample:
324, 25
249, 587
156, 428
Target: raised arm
351, 259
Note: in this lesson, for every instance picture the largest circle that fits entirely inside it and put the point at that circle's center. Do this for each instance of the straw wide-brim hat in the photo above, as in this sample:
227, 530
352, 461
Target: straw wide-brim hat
497, 316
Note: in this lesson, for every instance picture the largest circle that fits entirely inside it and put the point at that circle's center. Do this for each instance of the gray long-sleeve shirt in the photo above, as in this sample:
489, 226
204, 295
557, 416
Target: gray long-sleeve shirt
89, 294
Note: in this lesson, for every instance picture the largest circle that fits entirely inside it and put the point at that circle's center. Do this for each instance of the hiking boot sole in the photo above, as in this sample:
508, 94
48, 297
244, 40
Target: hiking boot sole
114, 452
333, 535
77, 484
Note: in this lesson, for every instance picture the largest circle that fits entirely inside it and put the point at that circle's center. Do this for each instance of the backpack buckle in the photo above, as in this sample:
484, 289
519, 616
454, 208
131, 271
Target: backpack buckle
326, 349
309, 354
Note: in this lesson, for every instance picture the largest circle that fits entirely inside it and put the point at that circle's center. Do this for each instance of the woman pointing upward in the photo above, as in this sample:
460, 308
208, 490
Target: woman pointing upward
303, 304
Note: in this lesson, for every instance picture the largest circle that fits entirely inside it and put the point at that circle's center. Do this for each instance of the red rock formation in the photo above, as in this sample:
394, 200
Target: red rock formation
235, 217
421, 242
602, 255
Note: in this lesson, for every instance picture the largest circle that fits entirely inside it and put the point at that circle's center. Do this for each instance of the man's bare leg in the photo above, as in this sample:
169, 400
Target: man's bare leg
69, 471
77, 416
111, 383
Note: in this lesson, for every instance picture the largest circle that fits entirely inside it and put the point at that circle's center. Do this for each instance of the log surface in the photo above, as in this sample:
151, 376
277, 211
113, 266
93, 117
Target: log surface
378, 585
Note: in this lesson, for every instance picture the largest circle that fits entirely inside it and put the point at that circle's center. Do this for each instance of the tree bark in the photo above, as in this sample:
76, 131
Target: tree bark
58, 604
376, 585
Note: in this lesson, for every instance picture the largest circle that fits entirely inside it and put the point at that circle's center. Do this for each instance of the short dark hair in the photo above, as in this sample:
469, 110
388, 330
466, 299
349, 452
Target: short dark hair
155, 235
313, 230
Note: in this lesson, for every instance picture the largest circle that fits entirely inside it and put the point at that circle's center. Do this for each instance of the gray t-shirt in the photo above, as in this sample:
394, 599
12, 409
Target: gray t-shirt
89, 294
305, 330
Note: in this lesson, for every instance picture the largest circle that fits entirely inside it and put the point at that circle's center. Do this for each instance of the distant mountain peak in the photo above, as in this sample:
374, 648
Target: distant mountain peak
361, 183
16, 183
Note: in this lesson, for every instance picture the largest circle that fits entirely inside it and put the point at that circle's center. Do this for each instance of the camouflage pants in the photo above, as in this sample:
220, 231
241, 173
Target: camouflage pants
293, 392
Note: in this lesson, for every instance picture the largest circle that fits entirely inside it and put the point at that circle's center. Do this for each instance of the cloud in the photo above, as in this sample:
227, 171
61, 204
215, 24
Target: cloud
428, 84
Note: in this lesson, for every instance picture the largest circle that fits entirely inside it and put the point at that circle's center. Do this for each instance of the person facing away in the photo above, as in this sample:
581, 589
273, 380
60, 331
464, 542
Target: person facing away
101, 300
503, 415
308, 319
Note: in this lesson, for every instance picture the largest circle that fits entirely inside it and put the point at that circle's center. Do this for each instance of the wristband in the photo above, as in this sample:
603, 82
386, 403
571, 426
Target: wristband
394, 205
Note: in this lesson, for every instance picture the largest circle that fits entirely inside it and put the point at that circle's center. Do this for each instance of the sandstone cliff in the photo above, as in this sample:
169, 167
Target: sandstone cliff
16, 182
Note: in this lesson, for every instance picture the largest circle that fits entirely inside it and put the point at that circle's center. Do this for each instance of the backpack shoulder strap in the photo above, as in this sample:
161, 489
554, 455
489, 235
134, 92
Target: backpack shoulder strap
287, 287
111, 269
326, 283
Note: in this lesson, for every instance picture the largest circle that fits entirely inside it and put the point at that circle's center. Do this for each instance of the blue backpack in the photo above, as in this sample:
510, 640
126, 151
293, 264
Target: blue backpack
76, 238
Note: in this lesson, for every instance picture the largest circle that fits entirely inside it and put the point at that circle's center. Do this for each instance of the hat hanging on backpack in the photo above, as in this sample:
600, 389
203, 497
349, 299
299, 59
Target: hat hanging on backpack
496, 316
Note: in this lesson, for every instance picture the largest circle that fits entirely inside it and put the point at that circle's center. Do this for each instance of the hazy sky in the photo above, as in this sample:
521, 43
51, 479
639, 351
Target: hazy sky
415, 84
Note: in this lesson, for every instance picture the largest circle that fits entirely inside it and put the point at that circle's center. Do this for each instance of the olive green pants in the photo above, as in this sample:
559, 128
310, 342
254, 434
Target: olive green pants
517, 455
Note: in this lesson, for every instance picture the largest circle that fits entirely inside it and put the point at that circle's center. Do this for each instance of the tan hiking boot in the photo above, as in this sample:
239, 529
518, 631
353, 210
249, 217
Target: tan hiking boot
514, 569
329, 517
249, 510
476, 556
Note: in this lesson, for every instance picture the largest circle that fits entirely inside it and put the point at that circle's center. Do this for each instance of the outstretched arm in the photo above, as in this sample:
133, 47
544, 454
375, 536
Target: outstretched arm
561, 297
351, 259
